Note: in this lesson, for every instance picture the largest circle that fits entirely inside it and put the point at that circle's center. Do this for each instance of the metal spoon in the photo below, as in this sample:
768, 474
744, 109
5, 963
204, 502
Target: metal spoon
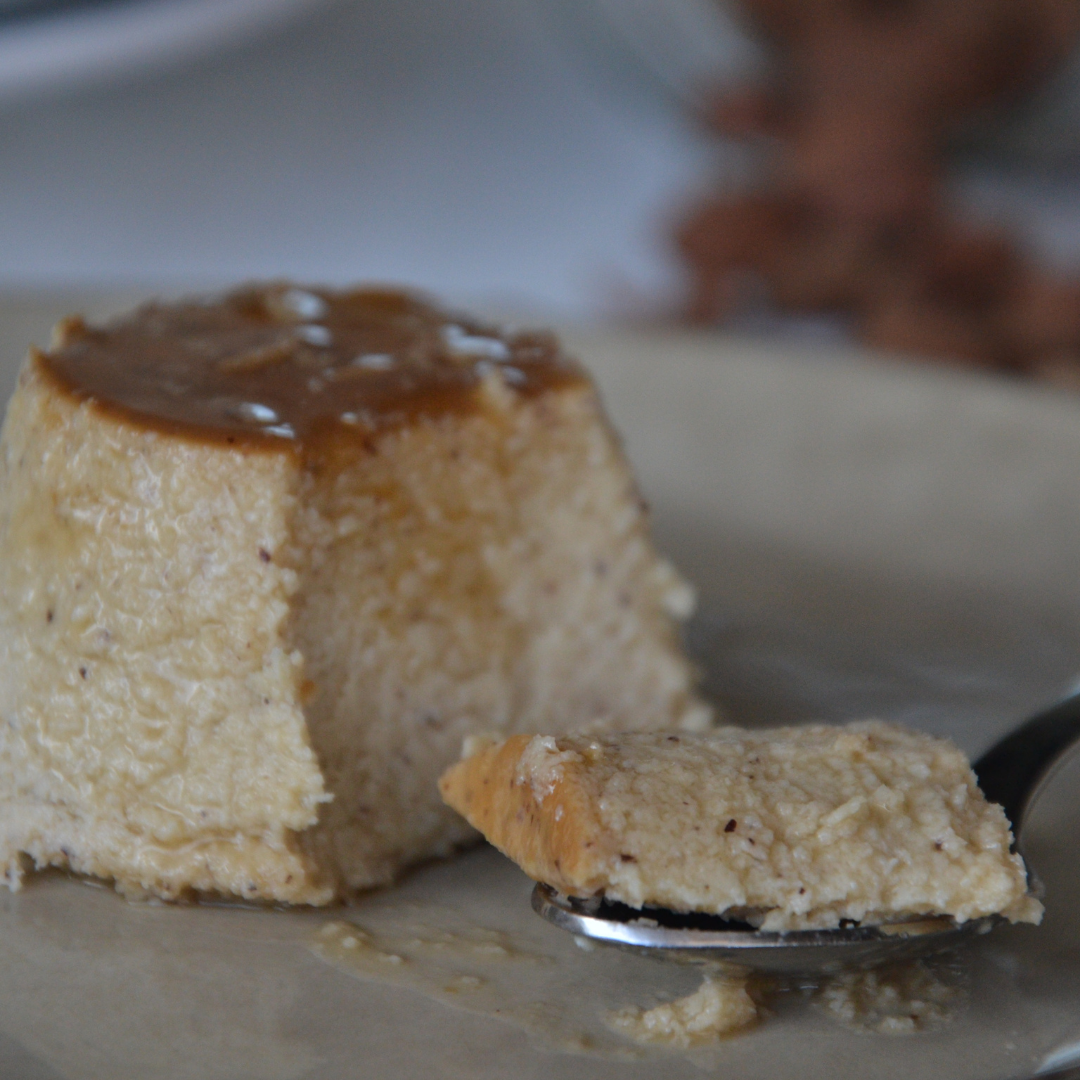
1010, 773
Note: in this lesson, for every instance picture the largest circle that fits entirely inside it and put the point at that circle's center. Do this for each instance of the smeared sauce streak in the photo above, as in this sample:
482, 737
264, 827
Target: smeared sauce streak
277, 363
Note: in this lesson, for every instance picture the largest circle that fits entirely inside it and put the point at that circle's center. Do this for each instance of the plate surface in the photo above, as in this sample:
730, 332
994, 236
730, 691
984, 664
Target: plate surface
867, 538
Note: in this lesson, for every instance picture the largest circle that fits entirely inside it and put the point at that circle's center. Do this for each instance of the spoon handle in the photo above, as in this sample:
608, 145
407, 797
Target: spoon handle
1011, 769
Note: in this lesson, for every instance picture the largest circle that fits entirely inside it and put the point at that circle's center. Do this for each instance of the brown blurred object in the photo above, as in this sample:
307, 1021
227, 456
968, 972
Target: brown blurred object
852, 217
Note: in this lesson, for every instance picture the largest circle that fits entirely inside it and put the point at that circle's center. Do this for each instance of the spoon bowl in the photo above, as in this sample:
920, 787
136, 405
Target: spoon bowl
713, 940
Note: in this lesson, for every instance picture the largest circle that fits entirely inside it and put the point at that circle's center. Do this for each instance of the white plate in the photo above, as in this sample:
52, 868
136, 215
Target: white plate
109, 38
866, 538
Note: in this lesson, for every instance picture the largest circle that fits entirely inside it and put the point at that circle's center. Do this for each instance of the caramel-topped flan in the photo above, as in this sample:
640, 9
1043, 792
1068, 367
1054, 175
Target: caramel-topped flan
266, 559
265, 364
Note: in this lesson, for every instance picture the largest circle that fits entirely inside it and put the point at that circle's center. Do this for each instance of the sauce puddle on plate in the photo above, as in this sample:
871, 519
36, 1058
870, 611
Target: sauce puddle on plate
610, 1003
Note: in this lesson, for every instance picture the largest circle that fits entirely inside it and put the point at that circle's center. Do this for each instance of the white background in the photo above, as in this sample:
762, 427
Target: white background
485, 149
467, 146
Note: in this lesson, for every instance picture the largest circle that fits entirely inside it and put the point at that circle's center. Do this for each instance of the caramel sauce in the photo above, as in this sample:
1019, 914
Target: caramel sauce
276, 363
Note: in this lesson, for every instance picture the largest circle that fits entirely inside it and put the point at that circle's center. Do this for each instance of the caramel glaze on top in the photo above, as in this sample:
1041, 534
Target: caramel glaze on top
279, 364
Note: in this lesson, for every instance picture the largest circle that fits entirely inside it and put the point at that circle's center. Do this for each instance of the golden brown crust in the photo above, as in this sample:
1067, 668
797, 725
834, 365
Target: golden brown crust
553, 835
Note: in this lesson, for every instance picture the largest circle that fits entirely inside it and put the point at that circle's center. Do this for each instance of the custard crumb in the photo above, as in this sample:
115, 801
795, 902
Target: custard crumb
719, 1007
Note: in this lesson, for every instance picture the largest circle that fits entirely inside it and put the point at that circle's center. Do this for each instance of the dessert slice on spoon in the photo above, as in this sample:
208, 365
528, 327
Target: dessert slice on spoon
796, 851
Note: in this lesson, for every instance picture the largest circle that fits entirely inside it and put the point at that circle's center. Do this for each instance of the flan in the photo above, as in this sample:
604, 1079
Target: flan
789, 828
266, 559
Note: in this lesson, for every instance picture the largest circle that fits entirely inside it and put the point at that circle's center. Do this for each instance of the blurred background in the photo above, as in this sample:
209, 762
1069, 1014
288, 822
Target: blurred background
504, 150
527, 154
